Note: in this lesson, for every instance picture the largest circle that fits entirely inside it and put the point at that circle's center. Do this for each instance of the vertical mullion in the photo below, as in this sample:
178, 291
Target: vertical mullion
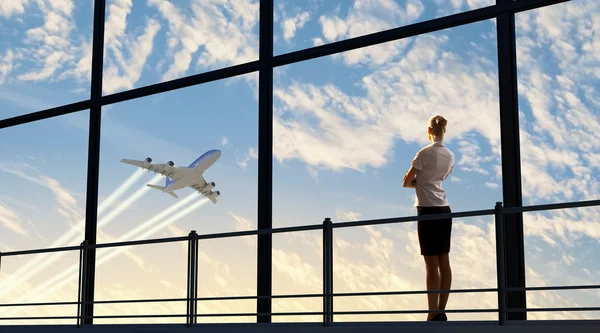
265, 160
514, 253
91, 213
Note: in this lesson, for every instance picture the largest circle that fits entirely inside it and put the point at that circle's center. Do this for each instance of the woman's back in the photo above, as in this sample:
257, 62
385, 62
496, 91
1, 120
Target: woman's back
435, 162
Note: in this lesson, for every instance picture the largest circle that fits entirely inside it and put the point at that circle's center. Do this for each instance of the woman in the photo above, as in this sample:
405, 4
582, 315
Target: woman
430, 167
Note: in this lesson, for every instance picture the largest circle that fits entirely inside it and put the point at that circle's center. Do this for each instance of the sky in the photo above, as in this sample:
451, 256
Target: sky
346, 128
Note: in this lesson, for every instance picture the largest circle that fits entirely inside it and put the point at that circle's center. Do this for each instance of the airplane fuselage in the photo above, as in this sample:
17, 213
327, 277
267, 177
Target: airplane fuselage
193, 172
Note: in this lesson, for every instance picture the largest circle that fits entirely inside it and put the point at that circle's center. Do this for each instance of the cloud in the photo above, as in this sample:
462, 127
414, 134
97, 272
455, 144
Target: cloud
327, 127
290, 25
53, 46
470, 157
244, 224
6, 64
366, 17
67, 204
252, 154
564, 226
10, 220
12, 7
347, 216
224, 141
223, 32
129, 54
491, 185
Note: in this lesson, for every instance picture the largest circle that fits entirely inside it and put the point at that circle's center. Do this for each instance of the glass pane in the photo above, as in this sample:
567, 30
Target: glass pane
159, 272
200, 119
345, 136
227, 268
387, 259
558, 72
560, 248
45, 54
182, 126
142, 272
24, 283
156, 41
43, 173
300, 24
298, 270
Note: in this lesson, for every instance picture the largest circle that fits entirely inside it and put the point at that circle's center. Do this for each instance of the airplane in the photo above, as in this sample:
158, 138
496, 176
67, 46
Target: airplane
179, 177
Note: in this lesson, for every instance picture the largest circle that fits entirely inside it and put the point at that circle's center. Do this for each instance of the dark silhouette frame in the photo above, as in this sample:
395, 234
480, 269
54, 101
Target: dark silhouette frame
503, 11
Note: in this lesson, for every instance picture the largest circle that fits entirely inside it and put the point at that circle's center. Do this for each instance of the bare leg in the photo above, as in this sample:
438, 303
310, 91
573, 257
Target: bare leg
445, 279
432, 265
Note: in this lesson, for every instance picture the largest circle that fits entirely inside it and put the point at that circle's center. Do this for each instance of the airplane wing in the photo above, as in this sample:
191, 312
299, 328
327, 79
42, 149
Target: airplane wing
212, 198
171, 172
199, 185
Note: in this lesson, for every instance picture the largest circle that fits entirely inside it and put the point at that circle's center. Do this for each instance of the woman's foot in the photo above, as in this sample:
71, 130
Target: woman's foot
438, 317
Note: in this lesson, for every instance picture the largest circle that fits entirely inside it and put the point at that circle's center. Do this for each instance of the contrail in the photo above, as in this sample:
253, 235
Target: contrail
157, 228
34, 266
70, 273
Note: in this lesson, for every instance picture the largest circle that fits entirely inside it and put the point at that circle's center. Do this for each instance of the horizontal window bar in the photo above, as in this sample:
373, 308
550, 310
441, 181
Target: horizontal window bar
313, 227
554, 309
37, 251
340, 313
592, 286
292, 57
184, 82
412, 30
45, 114
250, 314
357, 294
411, 292
573, 204
414, 218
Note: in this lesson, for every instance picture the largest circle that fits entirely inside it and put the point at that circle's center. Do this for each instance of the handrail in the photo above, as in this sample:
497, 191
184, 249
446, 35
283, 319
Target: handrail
484, 212
258, 232
328, 295
343, 294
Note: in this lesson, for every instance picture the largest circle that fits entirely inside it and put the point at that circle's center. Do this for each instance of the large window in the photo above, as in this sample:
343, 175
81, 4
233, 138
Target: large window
559, 98
344, 136
42, 205
83, 88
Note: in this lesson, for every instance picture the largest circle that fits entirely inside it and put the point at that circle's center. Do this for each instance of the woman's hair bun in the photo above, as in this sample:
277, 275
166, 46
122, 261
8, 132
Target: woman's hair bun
441, 121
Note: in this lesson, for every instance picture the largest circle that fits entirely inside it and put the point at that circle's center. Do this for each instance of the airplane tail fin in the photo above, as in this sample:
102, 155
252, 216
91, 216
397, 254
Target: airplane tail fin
162, 188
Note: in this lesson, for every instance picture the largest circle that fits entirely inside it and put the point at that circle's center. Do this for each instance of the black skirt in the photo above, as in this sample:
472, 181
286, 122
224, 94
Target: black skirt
434, 235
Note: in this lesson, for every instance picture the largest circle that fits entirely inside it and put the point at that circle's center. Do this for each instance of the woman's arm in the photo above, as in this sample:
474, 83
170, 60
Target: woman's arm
410, 178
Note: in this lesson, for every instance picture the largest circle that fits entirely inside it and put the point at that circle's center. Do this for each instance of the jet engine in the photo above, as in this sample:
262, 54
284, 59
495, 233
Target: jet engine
170, 163
148, 159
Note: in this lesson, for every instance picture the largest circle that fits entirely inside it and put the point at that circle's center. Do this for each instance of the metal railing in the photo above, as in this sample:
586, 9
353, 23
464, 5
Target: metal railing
328, 295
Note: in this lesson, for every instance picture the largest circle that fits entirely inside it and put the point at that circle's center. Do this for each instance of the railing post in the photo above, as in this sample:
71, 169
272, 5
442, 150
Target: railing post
195, 240
192, 278
327, 272
82, 274
500, 264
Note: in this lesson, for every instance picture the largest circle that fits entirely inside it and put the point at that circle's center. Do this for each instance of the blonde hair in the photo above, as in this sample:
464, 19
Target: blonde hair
438, 124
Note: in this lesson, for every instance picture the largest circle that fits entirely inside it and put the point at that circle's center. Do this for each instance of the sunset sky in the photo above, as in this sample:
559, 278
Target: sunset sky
346, 128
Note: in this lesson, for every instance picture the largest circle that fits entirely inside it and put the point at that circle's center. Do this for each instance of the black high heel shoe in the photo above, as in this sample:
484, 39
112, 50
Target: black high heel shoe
439, 317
